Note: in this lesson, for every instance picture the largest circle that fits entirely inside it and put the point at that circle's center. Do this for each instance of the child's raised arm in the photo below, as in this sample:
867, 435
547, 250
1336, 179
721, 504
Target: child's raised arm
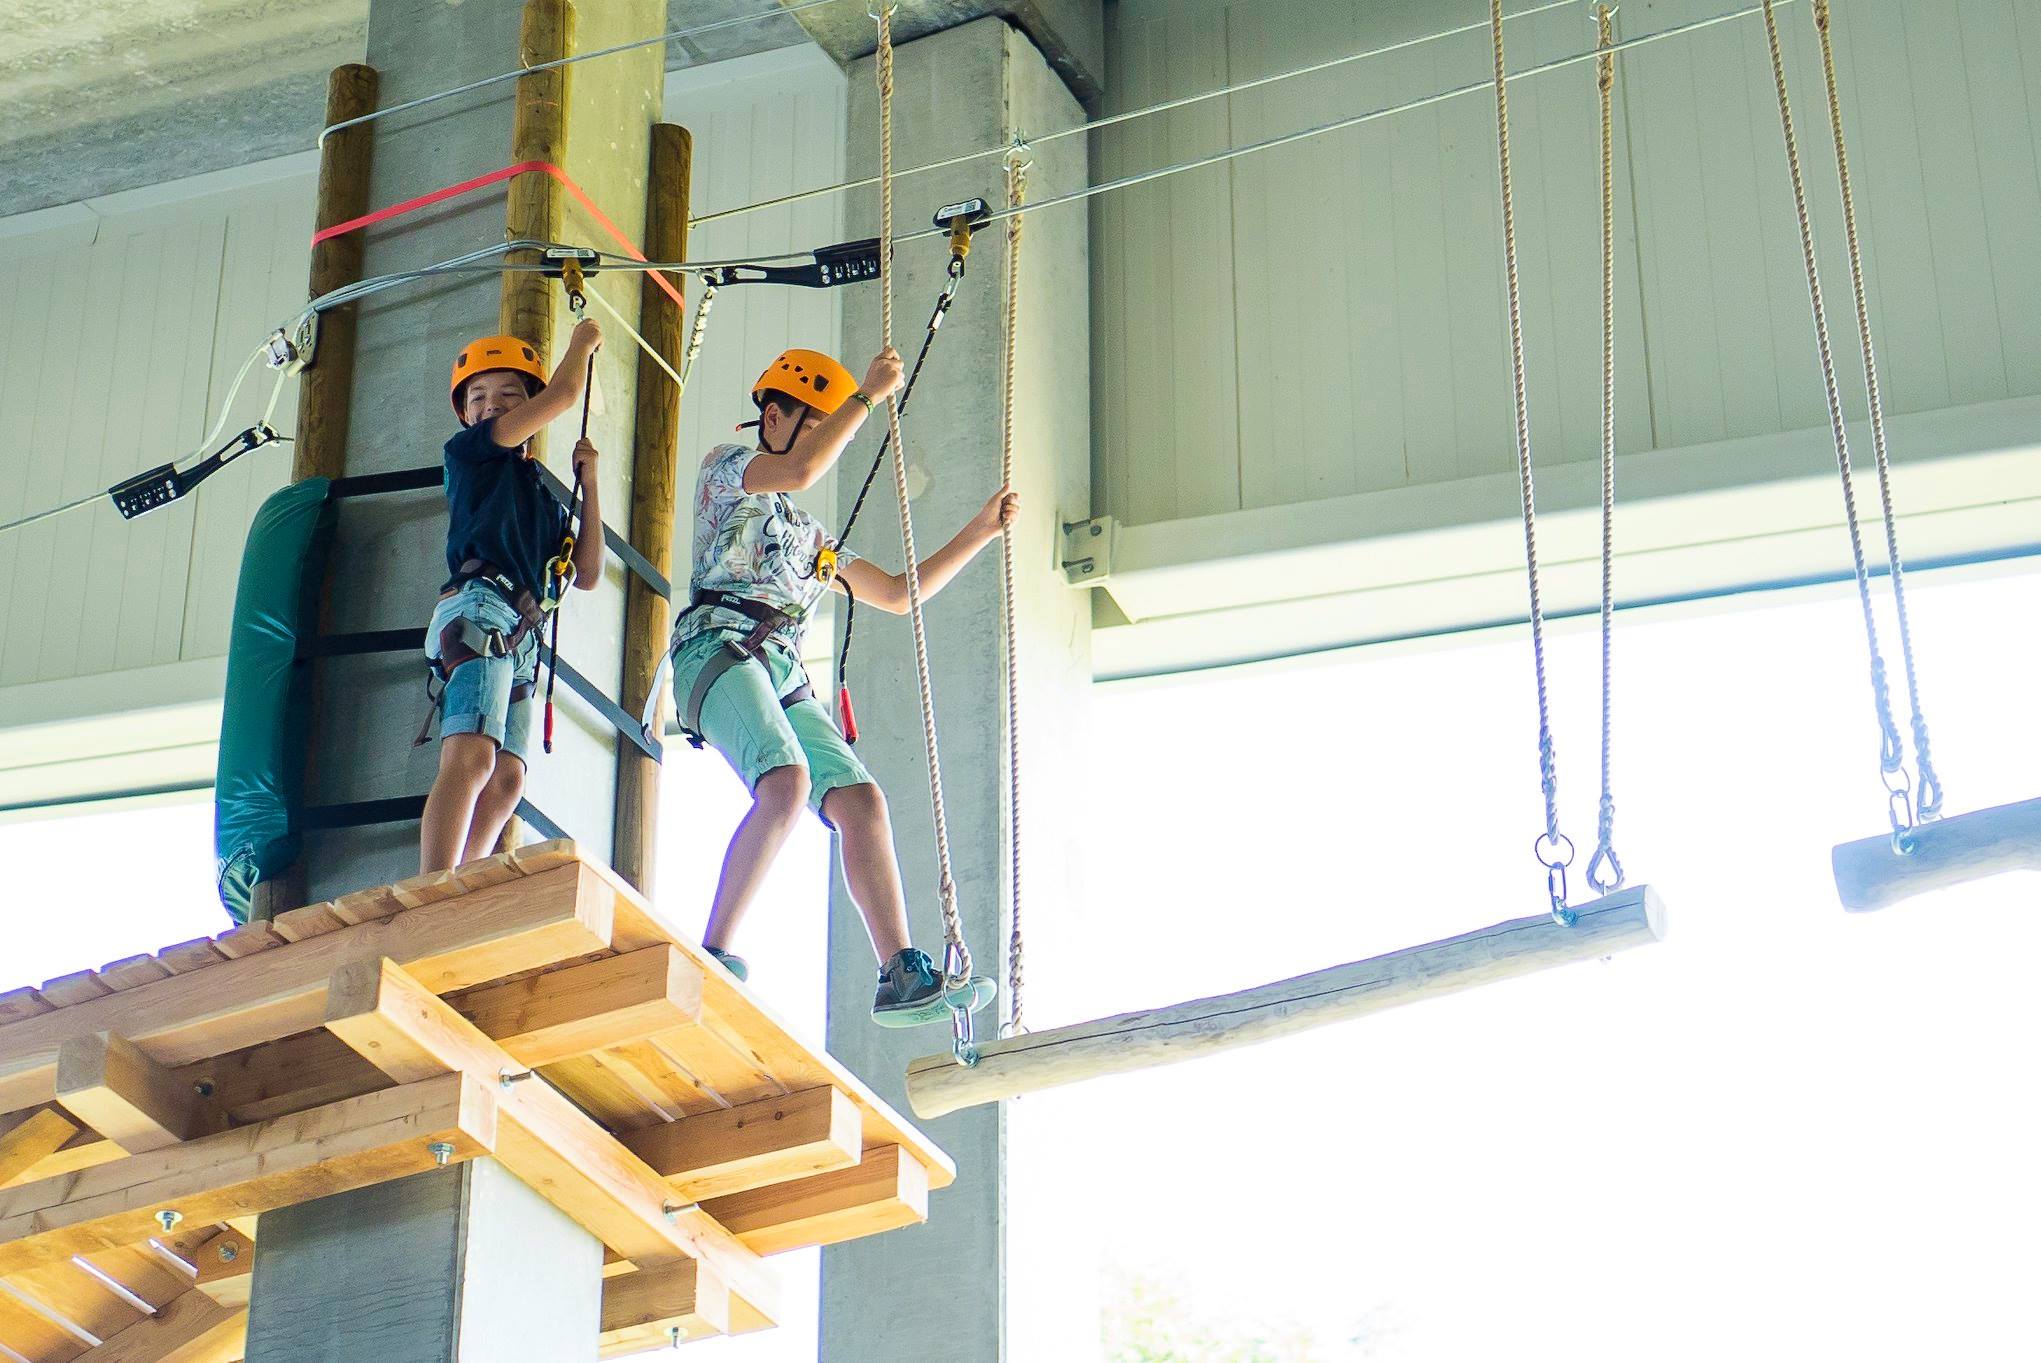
817, 448
527, 419
875, 586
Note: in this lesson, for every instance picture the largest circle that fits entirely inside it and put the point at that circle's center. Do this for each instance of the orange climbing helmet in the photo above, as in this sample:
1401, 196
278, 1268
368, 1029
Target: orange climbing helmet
495, 352
807, 376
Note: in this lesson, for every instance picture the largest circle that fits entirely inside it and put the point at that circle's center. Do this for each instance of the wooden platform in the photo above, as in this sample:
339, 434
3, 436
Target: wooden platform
529, 1007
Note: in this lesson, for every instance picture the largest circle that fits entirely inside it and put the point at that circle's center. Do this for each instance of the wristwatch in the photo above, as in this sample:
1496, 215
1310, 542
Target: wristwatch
860, 395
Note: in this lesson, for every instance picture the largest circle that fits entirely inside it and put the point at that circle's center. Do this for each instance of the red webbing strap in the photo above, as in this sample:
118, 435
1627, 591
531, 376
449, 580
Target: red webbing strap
602, 220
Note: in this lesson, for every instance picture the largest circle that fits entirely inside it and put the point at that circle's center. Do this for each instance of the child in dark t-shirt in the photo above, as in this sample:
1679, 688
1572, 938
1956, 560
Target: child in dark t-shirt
503, 529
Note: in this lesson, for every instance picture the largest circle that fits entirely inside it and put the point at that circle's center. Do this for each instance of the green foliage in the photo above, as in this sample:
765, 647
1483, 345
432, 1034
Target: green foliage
1146, 1321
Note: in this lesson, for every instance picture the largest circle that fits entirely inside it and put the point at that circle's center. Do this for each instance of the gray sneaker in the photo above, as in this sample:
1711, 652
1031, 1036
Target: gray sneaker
734, 964
911, 992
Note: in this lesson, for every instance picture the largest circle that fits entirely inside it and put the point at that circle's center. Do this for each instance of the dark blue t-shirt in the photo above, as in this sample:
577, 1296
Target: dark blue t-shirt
498, 510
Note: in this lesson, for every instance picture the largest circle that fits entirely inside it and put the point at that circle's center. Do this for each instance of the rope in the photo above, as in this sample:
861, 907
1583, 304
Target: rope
1929, 797
1016, 195
957, 958
1610, 880
1890, 756
1549, 844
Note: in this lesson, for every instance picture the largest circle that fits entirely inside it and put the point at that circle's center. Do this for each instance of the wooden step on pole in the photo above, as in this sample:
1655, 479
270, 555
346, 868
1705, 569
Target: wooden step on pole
1186, 1031
654, 481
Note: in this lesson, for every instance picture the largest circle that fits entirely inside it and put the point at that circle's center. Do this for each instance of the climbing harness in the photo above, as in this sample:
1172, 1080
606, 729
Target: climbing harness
961, 220
956, 953
1017, 164
767, 621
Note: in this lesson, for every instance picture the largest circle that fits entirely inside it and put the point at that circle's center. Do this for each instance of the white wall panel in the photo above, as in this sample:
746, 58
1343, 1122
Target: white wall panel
1328, 319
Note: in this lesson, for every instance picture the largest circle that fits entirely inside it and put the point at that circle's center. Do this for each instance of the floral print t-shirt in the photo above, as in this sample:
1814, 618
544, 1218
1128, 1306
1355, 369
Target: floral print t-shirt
751, 544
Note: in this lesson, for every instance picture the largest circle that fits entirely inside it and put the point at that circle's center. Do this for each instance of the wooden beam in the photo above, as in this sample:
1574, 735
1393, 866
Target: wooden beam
244, 1172
654, 485
226, 1267
33, 1137
110, 1086
888, 1190
547, 1018
193, 1328
401, 1028
643, 1310
523, 924
771, 1141
1161, 1036
1953, 851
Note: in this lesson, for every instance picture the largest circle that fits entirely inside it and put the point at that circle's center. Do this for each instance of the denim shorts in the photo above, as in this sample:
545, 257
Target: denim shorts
477, 696
742, 718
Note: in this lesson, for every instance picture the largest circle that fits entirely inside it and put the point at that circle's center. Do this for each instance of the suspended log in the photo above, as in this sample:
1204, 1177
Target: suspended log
1187, 1031
1869, 874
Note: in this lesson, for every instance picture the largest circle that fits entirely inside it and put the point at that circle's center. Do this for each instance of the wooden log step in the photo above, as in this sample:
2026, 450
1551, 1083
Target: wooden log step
1162, 1036
1870, 875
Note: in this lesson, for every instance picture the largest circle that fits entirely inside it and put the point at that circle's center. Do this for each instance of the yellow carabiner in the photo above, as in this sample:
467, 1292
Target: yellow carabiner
577, 286
825, 564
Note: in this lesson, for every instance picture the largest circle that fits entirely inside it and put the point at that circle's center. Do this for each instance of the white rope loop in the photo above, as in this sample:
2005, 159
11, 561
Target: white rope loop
957, 956
1554, 851
1929, 797
1605, 868
1016, 195
1891, 758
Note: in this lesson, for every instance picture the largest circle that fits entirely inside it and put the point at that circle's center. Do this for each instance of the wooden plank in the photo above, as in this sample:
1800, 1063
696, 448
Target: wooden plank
559, 915
565, 1013
1953, 851
186, 957
110, 1086
79, 987
367, 906
69, 1292
538, 857
247, 1171
192, 1329
31, 1139
662, 1305
730, 1008
25, 1002
313, 920
1185, 1031
401, 1028
762, 1143
483, 872
86, 1150
431, 888
246, 940
889, 1189
308, 1070
29, 1333
131, 971
226, 1267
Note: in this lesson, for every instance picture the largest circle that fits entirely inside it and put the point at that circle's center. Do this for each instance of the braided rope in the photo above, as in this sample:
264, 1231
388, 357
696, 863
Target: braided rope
1611, 880
1929, 802
1551, 842
1890, 755
1016, 194
957, 960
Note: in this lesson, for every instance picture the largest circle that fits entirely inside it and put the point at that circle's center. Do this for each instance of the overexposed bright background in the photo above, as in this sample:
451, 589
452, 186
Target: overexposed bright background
1784, 1133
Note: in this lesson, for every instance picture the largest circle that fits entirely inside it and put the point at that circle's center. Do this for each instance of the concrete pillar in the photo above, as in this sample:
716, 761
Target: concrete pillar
973, 86
464, 1265
389, 551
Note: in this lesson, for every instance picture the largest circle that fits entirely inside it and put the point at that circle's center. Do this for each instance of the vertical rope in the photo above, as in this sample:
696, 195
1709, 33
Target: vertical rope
957, 960
1889, 753
1611, 880
1929, 801
1016, 194
1550, 844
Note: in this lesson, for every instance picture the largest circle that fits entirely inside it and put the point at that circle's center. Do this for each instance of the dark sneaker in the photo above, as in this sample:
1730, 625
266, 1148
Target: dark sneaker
734, 964
911, 992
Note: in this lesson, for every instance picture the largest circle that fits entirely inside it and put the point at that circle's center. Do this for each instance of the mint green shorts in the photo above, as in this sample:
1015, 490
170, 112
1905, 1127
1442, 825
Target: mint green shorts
743, 719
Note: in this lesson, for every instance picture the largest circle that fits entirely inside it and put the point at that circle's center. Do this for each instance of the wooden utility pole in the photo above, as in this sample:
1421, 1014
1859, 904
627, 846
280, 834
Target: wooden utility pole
319, 449
653, 490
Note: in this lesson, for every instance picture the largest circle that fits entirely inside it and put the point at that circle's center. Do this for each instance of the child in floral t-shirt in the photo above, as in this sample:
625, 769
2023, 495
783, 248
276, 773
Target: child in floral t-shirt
737, 677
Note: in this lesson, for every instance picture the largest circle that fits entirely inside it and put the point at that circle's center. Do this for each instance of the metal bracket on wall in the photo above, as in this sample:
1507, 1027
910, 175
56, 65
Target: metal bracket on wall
1087, 554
